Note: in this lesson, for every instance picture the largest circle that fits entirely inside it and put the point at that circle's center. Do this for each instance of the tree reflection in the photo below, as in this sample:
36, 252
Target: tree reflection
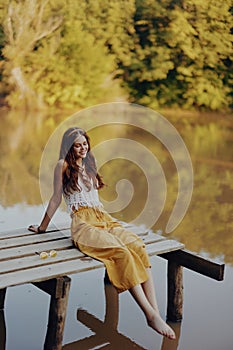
207, 225
22, 139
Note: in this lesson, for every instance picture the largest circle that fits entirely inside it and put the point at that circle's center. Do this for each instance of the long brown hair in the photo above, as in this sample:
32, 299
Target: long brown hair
73, 171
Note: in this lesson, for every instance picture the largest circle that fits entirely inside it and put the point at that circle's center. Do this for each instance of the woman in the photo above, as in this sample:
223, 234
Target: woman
95, 232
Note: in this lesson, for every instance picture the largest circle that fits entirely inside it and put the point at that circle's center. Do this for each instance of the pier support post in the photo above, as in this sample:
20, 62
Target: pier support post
174, 292
2, 298
2, 320
58, 288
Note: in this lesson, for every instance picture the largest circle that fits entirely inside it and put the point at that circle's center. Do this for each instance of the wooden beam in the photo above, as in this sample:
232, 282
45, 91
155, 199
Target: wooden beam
196, 263
2, 320
2, 331
2, 298
174, 292
53, 287
57, 315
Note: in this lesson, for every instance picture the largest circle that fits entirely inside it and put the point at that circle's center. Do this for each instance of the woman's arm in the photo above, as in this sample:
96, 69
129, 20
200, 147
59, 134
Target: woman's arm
55, 200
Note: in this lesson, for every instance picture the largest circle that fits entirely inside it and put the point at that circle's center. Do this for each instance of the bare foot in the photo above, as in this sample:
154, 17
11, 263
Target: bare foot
158, 324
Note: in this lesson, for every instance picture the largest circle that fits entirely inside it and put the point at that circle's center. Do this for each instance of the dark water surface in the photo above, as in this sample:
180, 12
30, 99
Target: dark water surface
206, 229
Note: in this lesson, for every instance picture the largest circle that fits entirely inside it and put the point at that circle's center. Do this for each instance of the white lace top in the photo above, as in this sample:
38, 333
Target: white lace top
84, 198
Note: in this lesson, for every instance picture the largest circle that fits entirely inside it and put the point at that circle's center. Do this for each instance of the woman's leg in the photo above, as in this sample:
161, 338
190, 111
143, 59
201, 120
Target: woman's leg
149, 290
147, 286
126, 262
153, 317
125, 268
144, 294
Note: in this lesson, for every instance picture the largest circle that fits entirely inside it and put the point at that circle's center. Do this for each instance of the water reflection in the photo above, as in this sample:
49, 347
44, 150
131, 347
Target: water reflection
206, 228
208, 225
21, 141
106, 335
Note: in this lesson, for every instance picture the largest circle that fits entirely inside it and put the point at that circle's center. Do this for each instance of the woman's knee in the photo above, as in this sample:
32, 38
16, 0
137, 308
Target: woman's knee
122, 253
139, 248
137, 245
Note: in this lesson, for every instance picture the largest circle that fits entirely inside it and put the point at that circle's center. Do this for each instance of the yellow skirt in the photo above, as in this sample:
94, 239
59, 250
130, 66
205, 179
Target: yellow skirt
97, 234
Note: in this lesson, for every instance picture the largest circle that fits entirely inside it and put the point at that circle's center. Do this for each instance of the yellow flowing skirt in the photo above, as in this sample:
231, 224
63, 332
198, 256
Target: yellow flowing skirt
98, 235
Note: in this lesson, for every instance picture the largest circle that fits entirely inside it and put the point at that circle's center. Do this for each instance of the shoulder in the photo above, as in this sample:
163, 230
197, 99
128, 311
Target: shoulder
61, 166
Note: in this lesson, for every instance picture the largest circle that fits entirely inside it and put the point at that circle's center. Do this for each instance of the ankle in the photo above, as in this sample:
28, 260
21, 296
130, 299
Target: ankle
153, 315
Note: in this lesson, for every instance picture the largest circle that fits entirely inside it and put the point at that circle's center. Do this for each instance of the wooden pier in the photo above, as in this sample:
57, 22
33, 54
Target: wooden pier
20, 263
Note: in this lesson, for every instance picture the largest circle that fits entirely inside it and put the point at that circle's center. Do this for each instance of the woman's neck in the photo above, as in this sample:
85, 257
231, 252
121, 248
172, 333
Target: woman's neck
79, 162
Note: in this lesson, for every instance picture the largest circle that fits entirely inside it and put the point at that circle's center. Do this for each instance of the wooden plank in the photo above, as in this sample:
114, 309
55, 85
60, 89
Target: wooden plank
15, 233
69, 254
197, 263
136, 229
34, 260
163, 247
25, 232
65, 227
24, 259
42, 273
151, 238
31, 249
32, 239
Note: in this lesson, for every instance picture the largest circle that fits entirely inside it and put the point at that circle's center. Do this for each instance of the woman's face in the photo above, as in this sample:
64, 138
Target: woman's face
80, 147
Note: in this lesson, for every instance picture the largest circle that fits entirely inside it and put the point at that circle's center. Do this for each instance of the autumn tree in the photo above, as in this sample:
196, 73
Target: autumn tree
25, 25
95, 34
64, 53
71, 54
182, 54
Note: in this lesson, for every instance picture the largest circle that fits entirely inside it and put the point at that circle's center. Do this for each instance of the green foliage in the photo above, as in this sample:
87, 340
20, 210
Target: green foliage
69, 54
63, 53
183, 50
26, 23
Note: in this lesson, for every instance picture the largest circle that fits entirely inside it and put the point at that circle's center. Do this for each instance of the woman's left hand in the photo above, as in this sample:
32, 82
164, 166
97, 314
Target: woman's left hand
35, 228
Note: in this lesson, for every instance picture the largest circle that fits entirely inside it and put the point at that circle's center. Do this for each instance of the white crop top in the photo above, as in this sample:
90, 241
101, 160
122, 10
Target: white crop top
84, 198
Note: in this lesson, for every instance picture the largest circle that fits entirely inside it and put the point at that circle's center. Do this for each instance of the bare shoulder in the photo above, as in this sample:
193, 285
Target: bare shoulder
61, 166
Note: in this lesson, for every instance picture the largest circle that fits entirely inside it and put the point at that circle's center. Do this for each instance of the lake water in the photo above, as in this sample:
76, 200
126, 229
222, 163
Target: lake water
206, 229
